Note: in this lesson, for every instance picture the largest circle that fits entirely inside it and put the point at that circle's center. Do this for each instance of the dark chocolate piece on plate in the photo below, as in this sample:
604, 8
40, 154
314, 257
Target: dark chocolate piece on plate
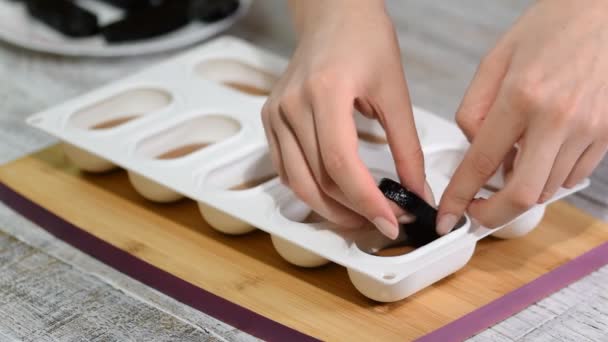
422, 231
149, 22
64, 16
210, 11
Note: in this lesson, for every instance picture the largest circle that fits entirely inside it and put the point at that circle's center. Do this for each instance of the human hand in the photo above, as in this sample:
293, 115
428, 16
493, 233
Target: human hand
347, 57
543, 88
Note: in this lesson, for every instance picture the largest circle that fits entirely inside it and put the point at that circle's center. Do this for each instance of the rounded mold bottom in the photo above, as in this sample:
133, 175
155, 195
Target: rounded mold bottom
522, 225
86, 161
297, 255
151, 190
395, 291
223, 222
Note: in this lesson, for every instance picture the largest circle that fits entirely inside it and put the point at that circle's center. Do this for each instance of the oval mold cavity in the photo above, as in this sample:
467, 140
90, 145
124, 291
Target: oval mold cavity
389, 290
237, 75
121, 108
177, 142
187, 137
240, 174
376, 244
298, 211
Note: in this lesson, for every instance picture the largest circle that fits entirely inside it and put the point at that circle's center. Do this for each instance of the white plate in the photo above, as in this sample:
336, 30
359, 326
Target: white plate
18, 28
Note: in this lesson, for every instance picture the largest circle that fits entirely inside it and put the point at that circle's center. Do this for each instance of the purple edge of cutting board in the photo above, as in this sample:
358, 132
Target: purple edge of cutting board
265, 328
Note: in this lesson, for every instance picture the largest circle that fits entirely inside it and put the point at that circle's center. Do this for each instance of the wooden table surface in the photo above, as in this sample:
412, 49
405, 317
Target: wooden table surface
442, 43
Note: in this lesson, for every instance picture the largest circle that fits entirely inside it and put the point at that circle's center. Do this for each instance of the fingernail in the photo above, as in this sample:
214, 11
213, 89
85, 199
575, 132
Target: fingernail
428, 194
386, 227
406, 219
446, 223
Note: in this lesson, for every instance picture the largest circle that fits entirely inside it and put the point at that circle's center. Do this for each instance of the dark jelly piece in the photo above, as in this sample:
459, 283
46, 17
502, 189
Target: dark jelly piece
130, 5
422, 231
149, 22
408, 201
210, 11
64, 16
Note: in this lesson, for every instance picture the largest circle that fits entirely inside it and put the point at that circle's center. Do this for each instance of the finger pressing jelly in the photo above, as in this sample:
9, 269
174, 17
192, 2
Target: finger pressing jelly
422, 231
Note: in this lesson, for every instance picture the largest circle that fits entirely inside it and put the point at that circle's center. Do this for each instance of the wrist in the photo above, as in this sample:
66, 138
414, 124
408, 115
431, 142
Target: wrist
308, 15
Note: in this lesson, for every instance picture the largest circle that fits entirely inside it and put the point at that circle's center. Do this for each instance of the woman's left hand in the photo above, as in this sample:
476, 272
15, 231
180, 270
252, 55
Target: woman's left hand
545, 88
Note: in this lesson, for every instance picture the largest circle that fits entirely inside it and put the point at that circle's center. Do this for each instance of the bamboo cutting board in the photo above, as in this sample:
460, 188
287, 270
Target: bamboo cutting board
247, 271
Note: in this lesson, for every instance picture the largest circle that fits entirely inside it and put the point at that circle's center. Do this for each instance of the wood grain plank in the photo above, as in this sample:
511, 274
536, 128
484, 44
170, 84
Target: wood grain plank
247, 271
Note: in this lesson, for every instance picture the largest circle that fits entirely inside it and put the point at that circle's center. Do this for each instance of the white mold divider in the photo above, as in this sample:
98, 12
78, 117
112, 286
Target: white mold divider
237, 154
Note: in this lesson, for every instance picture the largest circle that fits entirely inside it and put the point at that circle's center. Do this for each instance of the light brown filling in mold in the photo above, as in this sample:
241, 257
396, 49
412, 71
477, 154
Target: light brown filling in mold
248, 89
491, 188
114, 122
313, 217
371, 138
182, 151
253, 182
392, 251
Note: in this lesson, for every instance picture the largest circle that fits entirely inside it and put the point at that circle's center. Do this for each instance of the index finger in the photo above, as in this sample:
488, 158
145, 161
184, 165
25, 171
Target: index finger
397, 119
338, 142
495, 139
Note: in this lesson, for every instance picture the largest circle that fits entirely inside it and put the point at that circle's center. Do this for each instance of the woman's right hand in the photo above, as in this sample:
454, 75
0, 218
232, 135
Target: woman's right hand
347, 57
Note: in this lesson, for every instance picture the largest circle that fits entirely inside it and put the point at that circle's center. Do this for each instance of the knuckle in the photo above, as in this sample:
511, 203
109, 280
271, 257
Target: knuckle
483, 165
548, 193
274, 117
563, 114
303, 192
486, 221
593, 126
335, 163
589, 129
522, 198
290, 99
265, 121
328, 186
570, 182
265, 109
462, 118
266, 115
322, 81
457, 199
466, 125
525, 92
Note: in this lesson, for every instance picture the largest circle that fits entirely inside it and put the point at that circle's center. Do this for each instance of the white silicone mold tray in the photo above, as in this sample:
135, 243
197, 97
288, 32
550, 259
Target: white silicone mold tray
190, 127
